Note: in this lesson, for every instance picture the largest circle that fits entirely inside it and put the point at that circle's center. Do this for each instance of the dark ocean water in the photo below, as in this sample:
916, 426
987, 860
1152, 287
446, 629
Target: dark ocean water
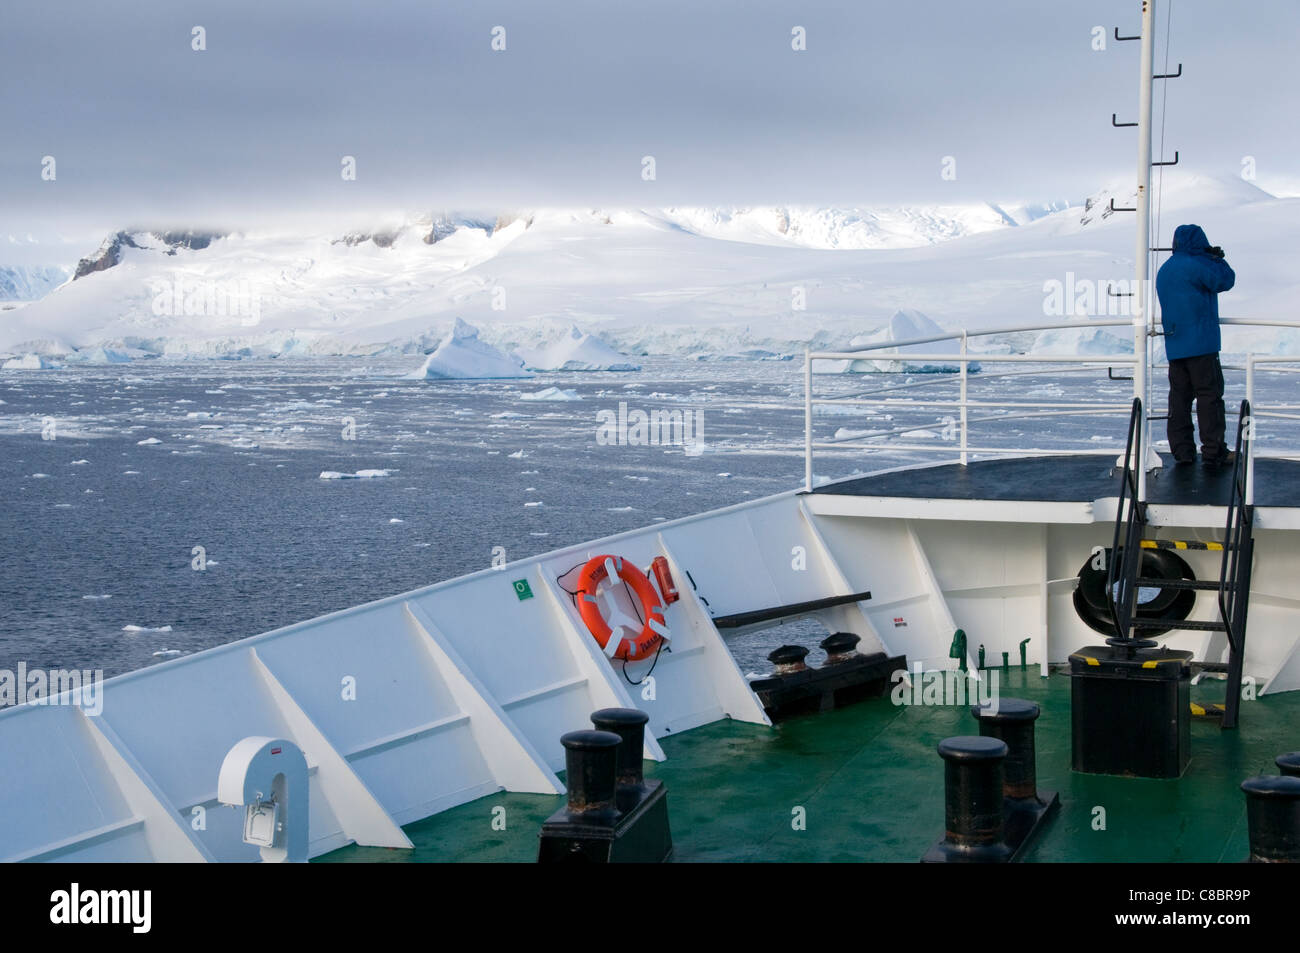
283, 545
96, 513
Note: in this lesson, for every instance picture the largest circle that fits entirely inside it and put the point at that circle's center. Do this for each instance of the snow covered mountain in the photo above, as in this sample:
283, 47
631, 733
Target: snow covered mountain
643, 282
829, 228
29, 283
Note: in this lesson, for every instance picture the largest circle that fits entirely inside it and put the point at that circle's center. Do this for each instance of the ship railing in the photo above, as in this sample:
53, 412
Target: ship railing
1255, 365
959, 445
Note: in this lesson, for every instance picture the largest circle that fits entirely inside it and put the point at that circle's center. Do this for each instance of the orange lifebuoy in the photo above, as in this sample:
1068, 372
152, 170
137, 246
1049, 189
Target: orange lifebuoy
596, 571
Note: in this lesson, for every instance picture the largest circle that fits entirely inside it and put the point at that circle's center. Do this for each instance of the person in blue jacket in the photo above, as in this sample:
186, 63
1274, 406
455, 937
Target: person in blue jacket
1188, 286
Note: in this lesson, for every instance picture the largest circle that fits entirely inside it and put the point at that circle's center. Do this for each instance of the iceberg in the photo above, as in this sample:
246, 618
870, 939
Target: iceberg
576, 351
462, 356
100, 355
28, 362
905, 325
1081, 341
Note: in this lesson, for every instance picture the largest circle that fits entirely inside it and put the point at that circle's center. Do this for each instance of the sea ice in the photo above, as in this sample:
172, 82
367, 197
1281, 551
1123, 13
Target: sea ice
359, 475
551, 393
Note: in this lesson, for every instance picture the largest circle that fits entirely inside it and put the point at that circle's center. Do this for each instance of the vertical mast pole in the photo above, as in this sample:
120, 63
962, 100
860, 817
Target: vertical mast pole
1141, 293
807, 419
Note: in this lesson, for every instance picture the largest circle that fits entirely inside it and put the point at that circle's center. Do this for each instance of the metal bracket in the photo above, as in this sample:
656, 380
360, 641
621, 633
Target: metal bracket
1110, 372
1123, 38
1119, 125
1110, 290
1170, 75
1175, 162
1116, 208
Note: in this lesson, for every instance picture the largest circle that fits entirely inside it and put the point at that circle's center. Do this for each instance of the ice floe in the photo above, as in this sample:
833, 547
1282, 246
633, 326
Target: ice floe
551, 393
359, 475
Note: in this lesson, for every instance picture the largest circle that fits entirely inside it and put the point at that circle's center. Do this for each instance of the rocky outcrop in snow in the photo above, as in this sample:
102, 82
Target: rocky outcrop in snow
111, 251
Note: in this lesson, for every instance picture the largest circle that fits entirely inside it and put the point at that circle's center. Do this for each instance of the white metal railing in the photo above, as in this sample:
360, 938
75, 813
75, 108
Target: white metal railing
963, 359
1066, 363
1279, 411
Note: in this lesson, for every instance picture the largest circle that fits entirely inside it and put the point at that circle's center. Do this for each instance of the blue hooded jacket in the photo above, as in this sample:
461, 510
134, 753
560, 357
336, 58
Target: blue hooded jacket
1188, 286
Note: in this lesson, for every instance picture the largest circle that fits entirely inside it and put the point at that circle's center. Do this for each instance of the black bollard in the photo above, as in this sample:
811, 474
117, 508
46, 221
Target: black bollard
847, 677
613, 815
788, 658
629, 724
1289, 764
590, 767
973, 819
1012, 720
840, 647
1273, 818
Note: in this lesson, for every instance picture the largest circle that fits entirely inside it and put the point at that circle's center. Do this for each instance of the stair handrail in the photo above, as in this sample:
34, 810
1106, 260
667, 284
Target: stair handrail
1235, 528
1235, 569
1122, 571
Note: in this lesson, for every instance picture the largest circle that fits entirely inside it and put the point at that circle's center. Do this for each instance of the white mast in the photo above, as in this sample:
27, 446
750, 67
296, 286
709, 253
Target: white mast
1141, 292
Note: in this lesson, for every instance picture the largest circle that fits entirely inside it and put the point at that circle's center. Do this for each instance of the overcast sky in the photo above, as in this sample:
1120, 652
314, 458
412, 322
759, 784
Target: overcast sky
144, 130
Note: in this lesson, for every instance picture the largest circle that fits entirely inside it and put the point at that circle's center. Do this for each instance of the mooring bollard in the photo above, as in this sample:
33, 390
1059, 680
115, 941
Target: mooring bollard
629, 724
845, 678
973, 820
613, 814
1012, 721
839, 647
590, 765
1273, 819
1289, 764
788, 658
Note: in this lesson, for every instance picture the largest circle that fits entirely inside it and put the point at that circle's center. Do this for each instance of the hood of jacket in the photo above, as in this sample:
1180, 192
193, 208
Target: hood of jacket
1190, 239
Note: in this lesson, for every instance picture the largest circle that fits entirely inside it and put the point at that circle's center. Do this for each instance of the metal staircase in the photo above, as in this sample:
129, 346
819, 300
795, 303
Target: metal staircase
1233, 585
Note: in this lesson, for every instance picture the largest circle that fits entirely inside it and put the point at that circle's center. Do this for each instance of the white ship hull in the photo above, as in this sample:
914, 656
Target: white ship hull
416, 703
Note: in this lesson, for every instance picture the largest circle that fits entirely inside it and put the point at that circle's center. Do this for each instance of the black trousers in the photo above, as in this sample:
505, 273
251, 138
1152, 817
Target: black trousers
1199, 378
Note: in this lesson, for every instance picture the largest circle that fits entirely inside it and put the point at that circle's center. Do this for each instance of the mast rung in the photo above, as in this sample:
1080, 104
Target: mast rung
1195, 544
1189, 624
1199, 584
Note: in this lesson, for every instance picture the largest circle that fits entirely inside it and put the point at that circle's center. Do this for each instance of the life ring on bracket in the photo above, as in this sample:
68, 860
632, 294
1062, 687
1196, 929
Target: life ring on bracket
597, 570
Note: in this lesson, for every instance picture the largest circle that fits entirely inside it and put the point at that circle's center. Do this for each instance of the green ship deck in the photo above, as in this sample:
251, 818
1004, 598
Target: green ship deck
871, 785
